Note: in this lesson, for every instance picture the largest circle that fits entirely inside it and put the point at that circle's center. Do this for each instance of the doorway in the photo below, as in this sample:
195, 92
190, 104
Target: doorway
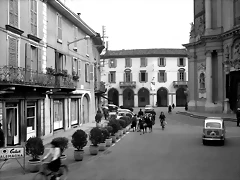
128, 98
58, 114
31, 120
85, 109
143, 97
162, 97
113, 96
12, 119
181, 98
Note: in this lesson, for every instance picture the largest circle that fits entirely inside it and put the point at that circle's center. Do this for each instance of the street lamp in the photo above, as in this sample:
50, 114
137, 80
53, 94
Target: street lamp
85, 38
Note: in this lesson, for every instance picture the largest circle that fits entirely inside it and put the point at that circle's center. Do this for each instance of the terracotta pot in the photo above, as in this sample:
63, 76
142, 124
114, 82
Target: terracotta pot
102, 146
108, 142
113, 139
34, 166
93, 149
78, 155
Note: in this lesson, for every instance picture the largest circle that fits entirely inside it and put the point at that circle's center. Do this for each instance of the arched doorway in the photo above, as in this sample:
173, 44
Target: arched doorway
181, 98
162, 97
128, 98
85, 108
113, 96
143, 97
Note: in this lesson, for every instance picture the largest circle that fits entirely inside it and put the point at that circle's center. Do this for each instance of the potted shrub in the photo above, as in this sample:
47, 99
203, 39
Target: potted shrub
108, 138
102, 145
79, 141
95, 137
34, 148
123, 124
63, 145
115, 127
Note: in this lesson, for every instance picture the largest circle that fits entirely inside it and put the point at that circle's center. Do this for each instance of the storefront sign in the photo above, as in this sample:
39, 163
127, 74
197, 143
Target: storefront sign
11, 152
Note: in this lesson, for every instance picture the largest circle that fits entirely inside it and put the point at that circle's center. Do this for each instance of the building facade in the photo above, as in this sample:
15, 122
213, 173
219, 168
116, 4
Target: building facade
214, 54
47, 83
140, 77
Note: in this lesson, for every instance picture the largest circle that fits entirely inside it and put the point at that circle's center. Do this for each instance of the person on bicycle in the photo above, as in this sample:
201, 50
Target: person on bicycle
55, 163
162, 118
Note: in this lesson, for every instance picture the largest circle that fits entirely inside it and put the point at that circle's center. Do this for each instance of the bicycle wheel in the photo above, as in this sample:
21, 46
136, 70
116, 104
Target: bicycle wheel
63, 172
39, 176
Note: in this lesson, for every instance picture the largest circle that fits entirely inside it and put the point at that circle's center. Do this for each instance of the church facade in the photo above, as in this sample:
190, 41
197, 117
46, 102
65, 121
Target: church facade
214, 56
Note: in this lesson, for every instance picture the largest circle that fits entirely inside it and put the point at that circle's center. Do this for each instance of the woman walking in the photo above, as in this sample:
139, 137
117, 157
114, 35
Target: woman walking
141, 125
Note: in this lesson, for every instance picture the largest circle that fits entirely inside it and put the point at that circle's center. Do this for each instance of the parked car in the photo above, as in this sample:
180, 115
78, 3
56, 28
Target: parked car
121, 114
213, 130
148, 109
112, 109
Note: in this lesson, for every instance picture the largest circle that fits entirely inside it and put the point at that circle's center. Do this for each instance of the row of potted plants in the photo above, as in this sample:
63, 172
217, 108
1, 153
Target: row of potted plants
64, 73
100, 138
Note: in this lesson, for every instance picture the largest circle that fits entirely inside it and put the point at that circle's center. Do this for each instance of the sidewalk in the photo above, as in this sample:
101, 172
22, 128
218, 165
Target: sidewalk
12, 168
202, 115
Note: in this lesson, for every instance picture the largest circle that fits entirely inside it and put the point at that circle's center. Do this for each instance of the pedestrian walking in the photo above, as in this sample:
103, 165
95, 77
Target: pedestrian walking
169, 109
134, 122
162, 118
98, 117
2, 138
141, 125
140, 113
173, 105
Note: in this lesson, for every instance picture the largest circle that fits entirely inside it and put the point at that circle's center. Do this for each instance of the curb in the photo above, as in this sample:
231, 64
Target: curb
203, 117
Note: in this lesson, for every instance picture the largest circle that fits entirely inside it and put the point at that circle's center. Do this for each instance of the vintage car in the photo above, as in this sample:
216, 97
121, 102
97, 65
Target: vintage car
213, 130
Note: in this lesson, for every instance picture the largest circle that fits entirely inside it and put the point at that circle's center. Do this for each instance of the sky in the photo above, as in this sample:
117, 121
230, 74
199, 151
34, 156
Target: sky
138, 24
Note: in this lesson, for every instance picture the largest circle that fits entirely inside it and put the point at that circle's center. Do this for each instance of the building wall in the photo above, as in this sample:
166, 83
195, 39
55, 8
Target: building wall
152, 68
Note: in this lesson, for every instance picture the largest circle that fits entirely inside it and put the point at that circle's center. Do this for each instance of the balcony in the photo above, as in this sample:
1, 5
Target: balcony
131, 84
99, 87
65, 82
177, 84
10, 75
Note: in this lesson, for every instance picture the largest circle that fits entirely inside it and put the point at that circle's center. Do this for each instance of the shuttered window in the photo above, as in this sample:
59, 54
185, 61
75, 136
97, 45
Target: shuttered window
34, 17
39, 64
143, 62
79, 68
112, 63
162, 76
127, 77
12, 51
181, 62
128, 62
91, 72
112, 77
182, 75
87, 72
59, 24
161, 62
13, 13
143, 76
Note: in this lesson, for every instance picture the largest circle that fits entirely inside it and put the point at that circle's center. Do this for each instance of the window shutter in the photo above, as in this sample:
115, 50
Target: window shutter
185, 77
178, 63
184, 62
130, 62
28, 56
109, 63
15, 8
91, 75
159, 62
12, 52
178, 76
79, 68
146, 77
114, 77
165, 76
140, 77
39, 60
109, 77
146, 62
86, 73
164, 62
158, 76
115, 63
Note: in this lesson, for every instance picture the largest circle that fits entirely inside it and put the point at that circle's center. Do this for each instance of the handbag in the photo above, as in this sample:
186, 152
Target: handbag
145, 124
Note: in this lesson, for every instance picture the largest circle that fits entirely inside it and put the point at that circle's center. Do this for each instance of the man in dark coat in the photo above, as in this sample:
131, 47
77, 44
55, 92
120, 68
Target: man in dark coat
2, 139
98, 117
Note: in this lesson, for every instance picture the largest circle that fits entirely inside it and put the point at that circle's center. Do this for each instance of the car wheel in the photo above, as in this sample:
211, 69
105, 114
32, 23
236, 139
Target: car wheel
204, 142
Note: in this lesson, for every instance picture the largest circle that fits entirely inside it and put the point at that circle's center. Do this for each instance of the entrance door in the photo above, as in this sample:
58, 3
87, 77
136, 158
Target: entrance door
113, 96
162, 97
85, 110
181, 98
31, 120
143, 97
74, 111
12, 119
128, 98
58, 114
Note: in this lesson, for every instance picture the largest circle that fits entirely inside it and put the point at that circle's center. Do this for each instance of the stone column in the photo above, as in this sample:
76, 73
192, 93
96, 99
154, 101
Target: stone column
192, 76
208, 82
155, 99
220, 81
135, 100
174, 99
208, 18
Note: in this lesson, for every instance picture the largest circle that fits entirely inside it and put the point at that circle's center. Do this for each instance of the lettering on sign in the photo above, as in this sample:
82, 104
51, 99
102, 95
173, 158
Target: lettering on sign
11, 153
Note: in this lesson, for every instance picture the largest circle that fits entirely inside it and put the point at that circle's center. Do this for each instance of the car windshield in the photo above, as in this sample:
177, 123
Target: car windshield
213, 125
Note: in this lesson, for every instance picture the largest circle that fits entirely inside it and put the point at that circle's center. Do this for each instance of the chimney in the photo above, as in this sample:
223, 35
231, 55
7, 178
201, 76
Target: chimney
79, 14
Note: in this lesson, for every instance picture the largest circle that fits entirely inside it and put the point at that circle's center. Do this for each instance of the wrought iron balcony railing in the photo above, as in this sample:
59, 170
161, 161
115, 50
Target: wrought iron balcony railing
124, 84
180, 83
65, 82
99, 87
21, 76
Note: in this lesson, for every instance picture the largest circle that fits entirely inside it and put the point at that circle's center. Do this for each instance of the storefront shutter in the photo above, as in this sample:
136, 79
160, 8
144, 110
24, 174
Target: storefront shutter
39, 60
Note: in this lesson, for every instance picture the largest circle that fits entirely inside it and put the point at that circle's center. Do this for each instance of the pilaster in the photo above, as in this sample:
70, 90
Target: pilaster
208, 18
170, 99
135, 100
120, 100
209, 76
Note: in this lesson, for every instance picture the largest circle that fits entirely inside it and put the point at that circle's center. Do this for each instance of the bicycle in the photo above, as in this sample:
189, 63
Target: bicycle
46, 174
